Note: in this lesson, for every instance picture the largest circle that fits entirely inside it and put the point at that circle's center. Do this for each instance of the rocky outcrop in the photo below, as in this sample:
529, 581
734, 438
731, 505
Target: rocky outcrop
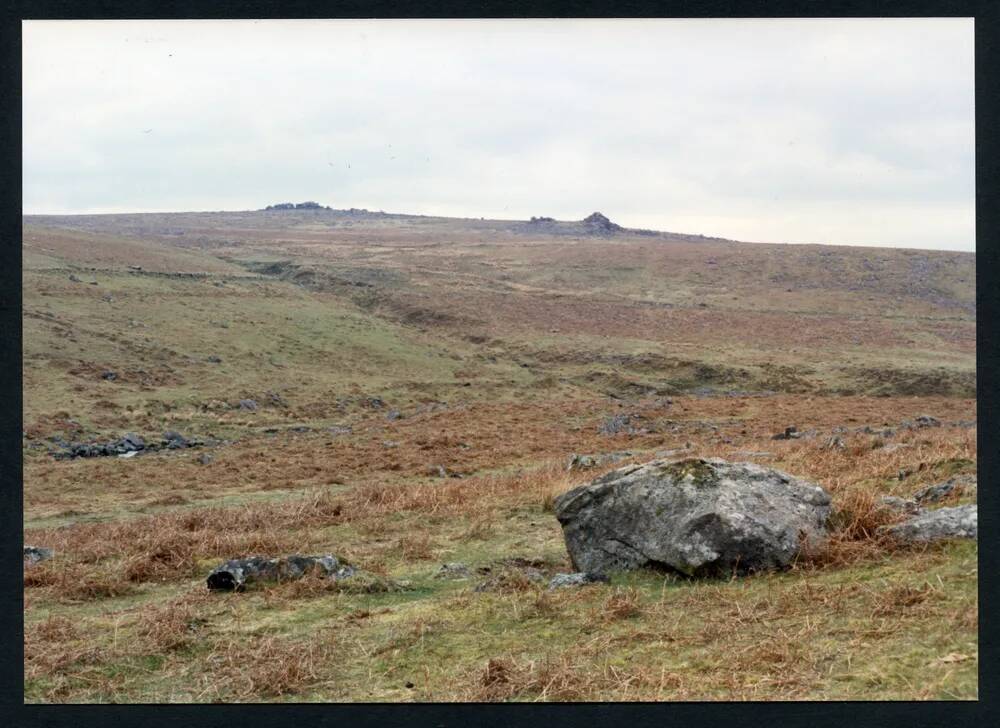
598, 224
695, 516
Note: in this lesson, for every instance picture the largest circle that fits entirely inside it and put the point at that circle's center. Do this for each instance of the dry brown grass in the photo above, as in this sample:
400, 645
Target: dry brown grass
568, 677
264, 667
622, 603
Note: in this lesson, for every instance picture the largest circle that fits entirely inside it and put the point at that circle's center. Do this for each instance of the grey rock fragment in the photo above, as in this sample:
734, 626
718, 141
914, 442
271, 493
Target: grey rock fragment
34, 554
562, 581
235, 574
895, 503
790, 433
940, 491
937, 525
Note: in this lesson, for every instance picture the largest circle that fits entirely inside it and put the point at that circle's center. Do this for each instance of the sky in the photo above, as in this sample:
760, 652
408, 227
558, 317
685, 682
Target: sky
853, 132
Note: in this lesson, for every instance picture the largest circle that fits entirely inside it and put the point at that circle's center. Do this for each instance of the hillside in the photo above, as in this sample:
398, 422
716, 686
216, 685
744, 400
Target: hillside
407, 390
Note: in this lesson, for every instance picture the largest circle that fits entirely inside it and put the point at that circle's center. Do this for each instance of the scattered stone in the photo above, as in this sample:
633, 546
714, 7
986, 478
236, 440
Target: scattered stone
453, 570
928, 421
696, 516
394, 415
234, 575
109, 375
205, 458
903, 505
373, 403
34, 554
937, 525
585, 462
214, 360
131, 454
340, 430
73, 278
562, 581
790, 433
175, 440
940, 491
132, 442
438, 471
248, 404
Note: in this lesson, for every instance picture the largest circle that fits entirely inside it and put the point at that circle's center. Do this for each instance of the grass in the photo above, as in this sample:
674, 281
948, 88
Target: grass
503, 355
860, 620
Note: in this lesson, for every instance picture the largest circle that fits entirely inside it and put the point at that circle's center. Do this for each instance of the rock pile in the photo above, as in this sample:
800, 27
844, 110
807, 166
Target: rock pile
129, 445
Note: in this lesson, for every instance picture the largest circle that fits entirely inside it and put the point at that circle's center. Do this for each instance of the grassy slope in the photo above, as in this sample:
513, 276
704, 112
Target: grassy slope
540, 330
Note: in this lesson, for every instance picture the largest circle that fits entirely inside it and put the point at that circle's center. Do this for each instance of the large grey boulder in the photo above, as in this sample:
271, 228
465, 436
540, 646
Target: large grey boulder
937, 525
696, 516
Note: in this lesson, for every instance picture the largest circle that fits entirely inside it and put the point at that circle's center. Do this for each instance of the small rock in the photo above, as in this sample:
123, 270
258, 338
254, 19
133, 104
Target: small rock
248, 404
438, 470
928, 421
175, 440
937, 525
205, 458
939, 491
562, 581
340, 430
394, 415
132, 441
834, 443
109, 375
34, 554
73, 278
790, 433
454, 570
213, 360
895, 503
131, 454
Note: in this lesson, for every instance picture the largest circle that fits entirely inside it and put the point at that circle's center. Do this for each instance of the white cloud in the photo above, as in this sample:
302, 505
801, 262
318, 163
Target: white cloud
842, 131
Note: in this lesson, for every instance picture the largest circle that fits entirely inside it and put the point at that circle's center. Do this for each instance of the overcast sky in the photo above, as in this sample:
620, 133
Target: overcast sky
820, 131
